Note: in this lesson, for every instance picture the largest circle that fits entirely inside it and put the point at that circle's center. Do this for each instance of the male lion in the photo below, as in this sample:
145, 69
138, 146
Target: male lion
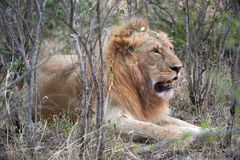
140, 67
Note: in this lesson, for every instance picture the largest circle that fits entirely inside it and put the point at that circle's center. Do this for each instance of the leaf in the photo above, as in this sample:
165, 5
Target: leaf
116, 18
114, 126
238, 111
117, 147
3, 48
236, 23
203, 125
136, 148
110, 68
230, 42
186, 134
211, 138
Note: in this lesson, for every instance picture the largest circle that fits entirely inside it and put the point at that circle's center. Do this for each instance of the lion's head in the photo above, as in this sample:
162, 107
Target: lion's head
157, 55
142, 66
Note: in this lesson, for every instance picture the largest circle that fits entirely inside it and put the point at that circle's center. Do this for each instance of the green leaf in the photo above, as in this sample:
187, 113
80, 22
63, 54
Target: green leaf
61, 36
117, 147
114, 126
238, 111
136, 148
186, 134
211, 138
3, 48
116, 18
110, 68
230, 42
236, 23
203, 125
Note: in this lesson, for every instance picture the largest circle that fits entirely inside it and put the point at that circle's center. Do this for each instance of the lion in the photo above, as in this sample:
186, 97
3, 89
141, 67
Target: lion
140, 68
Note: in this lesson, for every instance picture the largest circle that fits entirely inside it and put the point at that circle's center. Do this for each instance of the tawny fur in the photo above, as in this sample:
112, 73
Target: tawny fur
135, 58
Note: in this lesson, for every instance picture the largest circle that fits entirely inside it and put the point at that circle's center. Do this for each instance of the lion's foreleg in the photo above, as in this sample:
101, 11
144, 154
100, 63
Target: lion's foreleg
136, 128
182, 126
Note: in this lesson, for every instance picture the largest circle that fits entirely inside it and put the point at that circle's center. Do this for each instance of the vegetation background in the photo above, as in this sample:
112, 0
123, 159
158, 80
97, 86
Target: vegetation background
206, 37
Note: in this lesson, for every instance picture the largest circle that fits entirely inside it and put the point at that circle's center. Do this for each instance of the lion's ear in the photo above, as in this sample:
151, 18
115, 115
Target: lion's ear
121, 40
124, 46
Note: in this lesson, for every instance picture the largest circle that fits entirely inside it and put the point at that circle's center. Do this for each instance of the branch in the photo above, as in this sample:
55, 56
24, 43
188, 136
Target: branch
100, 94
32, 62
82, 127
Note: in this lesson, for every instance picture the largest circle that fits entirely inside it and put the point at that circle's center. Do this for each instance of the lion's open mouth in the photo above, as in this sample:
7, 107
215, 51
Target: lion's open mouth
163, 86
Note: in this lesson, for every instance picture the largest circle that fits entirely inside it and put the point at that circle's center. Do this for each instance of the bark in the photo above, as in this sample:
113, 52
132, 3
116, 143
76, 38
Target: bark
100, 94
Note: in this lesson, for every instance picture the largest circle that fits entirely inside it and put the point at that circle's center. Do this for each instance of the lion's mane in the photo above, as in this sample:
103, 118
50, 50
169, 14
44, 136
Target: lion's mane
128, 77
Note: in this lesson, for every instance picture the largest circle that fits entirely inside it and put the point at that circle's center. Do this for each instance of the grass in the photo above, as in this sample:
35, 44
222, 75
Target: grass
53, 140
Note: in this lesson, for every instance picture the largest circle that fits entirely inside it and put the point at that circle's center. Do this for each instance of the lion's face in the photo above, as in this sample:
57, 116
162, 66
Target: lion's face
157, 55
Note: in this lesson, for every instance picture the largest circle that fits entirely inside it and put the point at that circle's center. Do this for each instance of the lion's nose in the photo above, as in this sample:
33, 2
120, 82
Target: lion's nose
176, 68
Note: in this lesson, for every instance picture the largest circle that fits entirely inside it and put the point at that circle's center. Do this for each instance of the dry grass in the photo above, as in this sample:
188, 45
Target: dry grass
52, 140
